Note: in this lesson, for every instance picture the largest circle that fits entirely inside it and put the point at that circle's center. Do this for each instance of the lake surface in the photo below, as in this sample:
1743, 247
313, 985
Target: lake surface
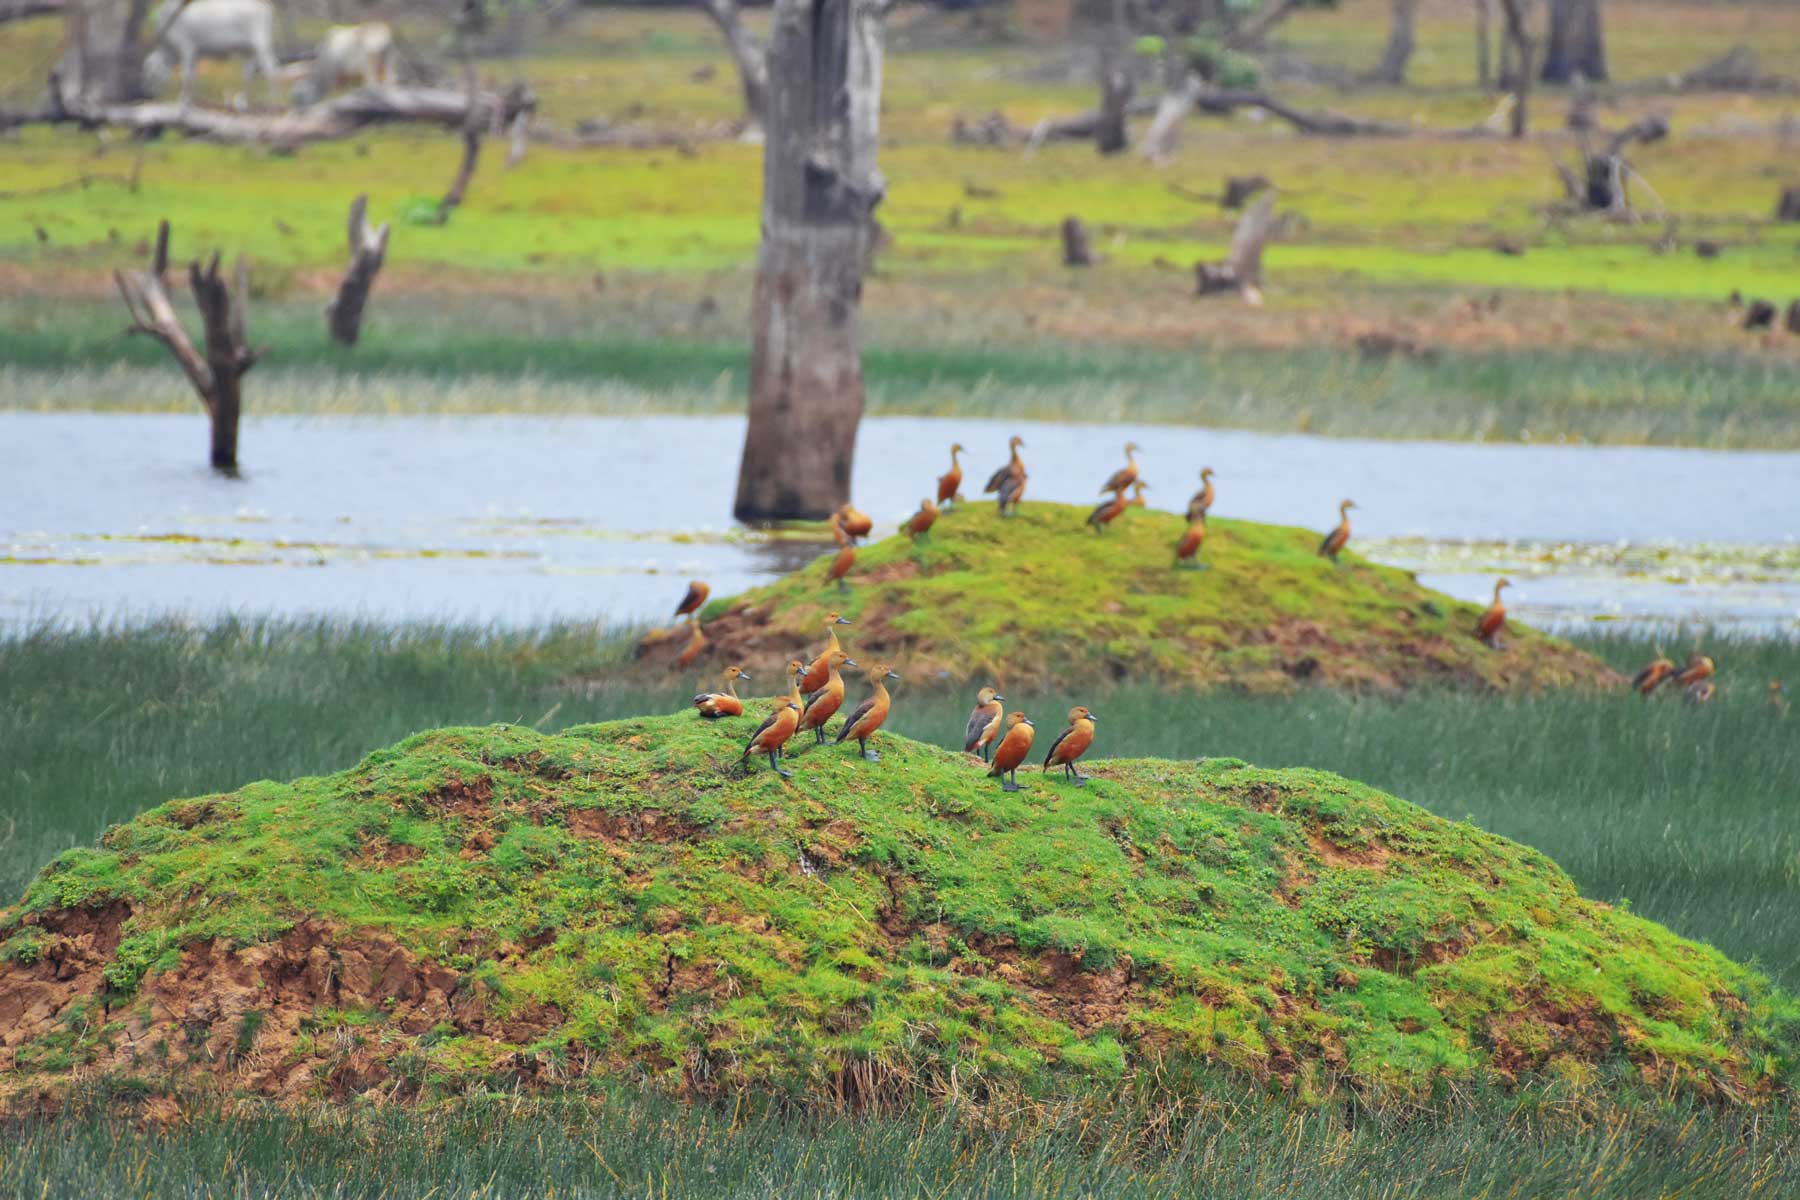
515, 520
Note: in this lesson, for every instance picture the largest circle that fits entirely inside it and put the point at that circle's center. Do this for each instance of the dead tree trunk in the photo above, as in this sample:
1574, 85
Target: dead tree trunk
1522, 48
368, 249
1111, 135
820, 188
1576, 44
1788, 207
1159, 140
1399, 51
216, 375
1240, 270
752, 65
1076, 252
1484, 43
103, 59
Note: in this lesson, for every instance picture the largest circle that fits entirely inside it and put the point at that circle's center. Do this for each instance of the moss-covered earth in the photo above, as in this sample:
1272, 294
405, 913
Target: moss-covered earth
1041, 595
487, 907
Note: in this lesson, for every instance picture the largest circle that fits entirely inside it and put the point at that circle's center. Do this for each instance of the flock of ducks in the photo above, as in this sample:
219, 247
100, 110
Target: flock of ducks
815, 695
1004, 739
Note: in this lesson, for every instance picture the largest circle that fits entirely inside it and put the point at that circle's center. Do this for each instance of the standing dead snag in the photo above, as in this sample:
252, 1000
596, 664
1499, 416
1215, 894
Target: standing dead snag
1522, 48
1075, 244
217, 374
820, 189
1241, 269
368, 249
753, 67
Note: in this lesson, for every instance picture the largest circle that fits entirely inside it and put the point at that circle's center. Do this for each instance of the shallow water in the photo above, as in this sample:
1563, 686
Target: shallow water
513, 520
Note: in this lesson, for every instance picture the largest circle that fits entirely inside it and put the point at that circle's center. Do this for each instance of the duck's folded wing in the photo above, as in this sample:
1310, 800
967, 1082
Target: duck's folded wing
862, 710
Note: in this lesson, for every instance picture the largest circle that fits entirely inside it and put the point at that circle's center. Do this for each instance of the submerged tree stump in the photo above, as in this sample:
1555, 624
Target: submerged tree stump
368, 249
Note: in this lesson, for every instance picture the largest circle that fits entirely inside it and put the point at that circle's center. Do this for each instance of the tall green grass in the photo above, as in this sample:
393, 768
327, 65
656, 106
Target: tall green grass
501, 355
1232, 1142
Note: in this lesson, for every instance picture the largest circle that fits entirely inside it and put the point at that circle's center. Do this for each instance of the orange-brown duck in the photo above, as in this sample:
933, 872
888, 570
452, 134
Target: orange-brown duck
1202, 502
823, 704
1487, 629
856, 523
1107, 511
697, 593
1071, 744
776, 730
1009, 481
1653, 676
725, 702
1012, 751
1334, 541
862, 724
921, 522
950, 481
1698, 667
1187, 550
984, 722
695, 647
1122, 479
845, 557
819, 669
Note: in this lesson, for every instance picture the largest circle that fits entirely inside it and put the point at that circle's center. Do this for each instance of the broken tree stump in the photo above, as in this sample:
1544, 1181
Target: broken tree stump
217, 374
368, 249
1760, 315
1076, 251
1239, 189
1793, 317
1788, 207
1240, 270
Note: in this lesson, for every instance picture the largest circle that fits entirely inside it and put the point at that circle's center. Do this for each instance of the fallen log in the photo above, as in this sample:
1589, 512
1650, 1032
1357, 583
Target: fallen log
24, 10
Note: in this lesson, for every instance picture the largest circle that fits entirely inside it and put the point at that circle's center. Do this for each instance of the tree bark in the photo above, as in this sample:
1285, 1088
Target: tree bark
1116, 87
1576, 43
1399, 51
1159, 139
1523, 47
103, 59
368, 249
752, 66
820, 188
217, 375
1484, 40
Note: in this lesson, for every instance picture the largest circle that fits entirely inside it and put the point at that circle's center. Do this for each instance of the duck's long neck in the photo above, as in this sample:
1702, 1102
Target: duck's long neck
954, 465
731, 688
880, 694
794, 690
831, 637
1497, 588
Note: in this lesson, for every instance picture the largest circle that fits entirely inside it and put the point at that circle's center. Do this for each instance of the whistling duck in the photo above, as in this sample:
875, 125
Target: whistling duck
1487, 629
1009, 481
1107, 511
1698, 667
856, 524
1188, 548
984, 723
1137, 495
1122, 479
845, 558
1699, 692
819, 669
776, 729
1652, 676
951, 480
823, 704
696, 644
922, 521
1334, 541
869, 715
697, 593
1012, 751
1071, 744
1202, 502
714, 705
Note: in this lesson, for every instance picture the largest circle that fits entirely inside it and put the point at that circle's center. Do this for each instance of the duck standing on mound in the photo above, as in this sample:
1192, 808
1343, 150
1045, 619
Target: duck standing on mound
1071, 744
1012, 751
697, 593
951, 480
1122, 479
984, 723
778, 727
1187, 549
1107, 511
1137, 495
819, 669
724, 703
869, 715
696, 644
1009, 481
1202, 502
855, 522
846, 555
823, 704
1652, 676
1334, 541
923, 520
1487, 629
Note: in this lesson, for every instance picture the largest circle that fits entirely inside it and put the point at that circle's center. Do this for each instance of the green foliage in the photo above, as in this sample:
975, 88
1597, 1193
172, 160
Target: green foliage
909, 920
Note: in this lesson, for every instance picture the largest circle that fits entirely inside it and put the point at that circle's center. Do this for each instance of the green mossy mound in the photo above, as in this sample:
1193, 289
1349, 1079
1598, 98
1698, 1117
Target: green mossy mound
492, 907
1041, 595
